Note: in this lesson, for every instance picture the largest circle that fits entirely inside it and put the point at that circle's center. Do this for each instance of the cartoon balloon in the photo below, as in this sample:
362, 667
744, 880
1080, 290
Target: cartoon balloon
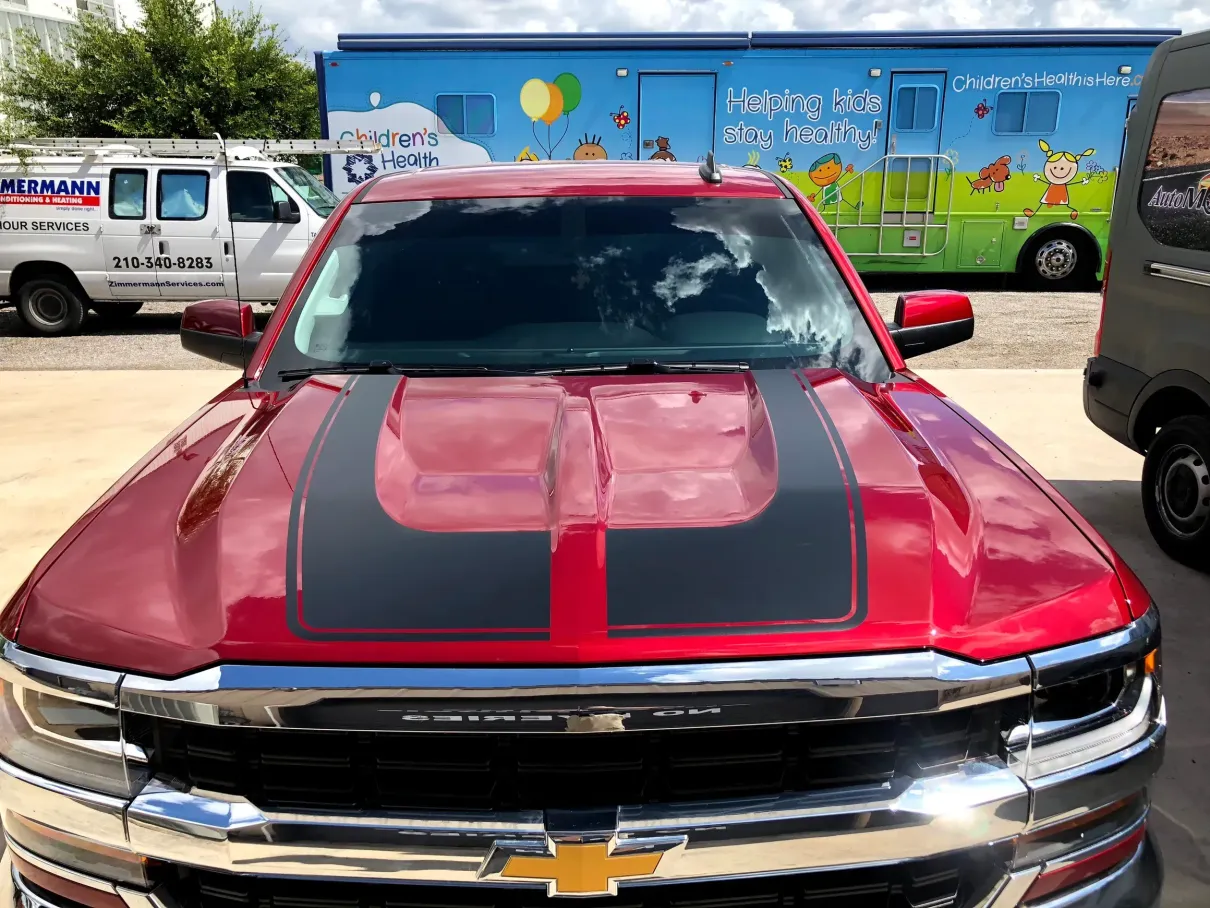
555, 110
535, 98
569, 86
375, 97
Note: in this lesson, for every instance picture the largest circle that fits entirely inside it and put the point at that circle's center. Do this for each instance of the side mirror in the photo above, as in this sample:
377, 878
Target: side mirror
285, 212
221, 330
928, 320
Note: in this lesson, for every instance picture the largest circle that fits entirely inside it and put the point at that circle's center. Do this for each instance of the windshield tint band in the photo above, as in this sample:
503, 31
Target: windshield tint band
410, 584
797, 566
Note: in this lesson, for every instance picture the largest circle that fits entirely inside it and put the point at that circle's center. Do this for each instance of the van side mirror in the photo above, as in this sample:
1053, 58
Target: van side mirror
221, 330
284, 212
928, 320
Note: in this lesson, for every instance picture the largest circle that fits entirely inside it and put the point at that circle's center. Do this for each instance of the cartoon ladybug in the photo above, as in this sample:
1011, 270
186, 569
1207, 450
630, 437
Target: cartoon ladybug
982, 110
785, 164
621, 119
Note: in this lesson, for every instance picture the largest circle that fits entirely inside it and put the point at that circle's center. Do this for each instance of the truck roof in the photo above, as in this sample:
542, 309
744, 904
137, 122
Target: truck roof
1032, 37
513, 179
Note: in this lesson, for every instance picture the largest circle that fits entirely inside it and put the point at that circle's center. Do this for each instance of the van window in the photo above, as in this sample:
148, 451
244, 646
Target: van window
251, 196
128, 195
1174, 196
1026, 113
183, 195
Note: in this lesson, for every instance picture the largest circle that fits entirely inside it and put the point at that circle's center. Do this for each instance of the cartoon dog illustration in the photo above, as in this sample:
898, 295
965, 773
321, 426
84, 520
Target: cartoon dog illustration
994, 175
589, 149
1060, 169
662, 152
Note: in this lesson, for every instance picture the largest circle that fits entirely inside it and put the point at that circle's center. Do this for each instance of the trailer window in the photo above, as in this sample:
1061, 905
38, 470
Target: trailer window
916, 108
1026, 113
466, 115
1174, 197
554, 282
128, 195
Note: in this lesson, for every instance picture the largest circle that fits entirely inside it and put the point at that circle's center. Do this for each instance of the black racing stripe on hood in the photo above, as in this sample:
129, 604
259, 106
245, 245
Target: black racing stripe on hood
799, 565
366, 577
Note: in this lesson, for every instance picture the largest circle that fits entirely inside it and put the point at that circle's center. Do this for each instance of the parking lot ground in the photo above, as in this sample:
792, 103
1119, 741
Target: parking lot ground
66, 436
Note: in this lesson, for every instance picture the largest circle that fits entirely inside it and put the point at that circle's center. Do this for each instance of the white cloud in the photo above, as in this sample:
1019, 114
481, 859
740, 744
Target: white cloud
313, 24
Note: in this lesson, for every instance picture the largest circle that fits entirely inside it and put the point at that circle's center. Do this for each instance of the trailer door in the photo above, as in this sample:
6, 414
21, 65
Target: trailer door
914, 139
676, 116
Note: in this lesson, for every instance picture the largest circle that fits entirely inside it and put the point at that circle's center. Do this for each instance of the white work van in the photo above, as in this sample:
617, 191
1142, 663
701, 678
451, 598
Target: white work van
109, 225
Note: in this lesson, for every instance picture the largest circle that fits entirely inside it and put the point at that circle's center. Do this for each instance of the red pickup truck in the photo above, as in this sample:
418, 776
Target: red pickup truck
577, 529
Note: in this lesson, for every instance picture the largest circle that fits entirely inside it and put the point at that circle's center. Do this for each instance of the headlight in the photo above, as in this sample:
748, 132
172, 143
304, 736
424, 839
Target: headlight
1081, 719
72, 741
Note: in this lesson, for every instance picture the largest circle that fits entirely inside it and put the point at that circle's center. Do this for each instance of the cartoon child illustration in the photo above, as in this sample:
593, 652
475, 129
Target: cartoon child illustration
824, 173
1059, 170
526, 155
993, 176
589, 149
662, 153
785, 164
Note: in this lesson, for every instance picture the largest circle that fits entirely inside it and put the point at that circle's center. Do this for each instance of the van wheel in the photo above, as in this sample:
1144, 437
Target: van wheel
115, 312
1176, 490
50, 307
1058, 260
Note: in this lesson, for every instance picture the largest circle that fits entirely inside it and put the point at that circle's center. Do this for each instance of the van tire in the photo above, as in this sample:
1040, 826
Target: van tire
111, 312
1176, 490
1058, 260
50, 307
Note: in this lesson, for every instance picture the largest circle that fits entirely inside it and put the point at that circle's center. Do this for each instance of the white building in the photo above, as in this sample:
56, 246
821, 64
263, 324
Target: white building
48, 19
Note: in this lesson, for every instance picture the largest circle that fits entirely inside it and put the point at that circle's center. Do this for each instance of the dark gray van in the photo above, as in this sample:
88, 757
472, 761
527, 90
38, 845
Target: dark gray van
1148, 382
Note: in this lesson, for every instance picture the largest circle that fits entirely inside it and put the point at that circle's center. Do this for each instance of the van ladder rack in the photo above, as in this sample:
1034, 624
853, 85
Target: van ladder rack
216, 148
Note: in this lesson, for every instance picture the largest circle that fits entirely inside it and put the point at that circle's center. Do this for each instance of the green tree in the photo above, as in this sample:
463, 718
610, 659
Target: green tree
170, 75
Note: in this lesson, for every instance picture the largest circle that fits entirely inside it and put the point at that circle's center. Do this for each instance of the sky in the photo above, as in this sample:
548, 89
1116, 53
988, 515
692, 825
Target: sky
311, 25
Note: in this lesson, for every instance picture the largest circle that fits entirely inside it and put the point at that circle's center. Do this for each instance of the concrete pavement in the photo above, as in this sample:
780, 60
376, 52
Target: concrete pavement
66, 436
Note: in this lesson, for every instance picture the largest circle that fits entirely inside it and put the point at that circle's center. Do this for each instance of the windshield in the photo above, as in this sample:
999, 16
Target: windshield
321, 199
532, 283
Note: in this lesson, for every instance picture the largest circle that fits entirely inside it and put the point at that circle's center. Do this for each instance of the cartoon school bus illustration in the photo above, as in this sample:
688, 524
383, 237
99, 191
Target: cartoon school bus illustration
1060, 169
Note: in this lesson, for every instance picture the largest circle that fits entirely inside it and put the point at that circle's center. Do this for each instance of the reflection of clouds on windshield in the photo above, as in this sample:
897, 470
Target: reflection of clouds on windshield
807, 302
683, 279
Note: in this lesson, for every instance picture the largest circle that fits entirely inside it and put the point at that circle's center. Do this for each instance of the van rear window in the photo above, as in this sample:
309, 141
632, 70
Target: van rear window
1174, 201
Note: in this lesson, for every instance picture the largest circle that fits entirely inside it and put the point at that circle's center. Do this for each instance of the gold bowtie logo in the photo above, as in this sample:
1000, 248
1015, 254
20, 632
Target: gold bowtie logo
581, 868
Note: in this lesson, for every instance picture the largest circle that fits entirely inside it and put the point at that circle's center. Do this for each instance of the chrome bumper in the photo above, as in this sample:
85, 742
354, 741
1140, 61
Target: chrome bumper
981, 803
1137, 882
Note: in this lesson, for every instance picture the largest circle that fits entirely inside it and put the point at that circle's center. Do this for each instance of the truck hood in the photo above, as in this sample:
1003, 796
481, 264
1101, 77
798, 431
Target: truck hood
558, 520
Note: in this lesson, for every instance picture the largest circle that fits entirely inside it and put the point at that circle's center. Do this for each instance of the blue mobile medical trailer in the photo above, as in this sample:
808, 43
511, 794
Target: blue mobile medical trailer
929, 151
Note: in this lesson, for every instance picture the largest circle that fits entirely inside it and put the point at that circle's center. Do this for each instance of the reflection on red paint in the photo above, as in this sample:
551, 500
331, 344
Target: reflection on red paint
483, 455
966, 552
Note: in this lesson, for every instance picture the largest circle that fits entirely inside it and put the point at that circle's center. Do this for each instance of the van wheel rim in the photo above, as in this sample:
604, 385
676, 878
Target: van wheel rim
1056, 259
1182, 491
48, 306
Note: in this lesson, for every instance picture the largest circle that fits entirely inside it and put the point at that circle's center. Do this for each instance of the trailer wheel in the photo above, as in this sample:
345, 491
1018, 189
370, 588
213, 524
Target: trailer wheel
1058, 260
111, 312
50, 307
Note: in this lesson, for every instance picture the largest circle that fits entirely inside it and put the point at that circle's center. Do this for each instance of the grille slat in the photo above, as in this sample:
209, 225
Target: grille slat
288, 769
938, 883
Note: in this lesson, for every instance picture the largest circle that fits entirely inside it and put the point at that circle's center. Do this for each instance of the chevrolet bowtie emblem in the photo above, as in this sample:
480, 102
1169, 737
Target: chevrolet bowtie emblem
583, 868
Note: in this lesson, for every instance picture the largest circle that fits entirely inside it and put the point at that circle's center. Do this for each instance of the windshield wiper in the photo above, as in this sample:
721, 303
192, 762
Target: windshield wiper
382, 367
644, 367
